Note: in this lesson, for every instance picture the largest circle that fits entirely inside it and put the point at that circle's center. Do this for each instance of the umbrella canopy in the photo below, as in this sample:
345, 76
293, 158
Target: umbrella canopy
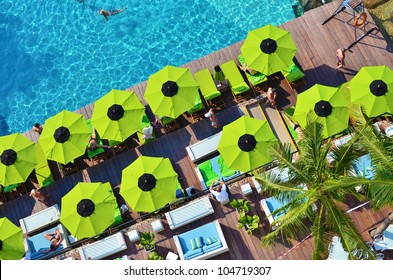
117, 115
88, 209
372, 88
148, 183
325, 104
218, 74
17, 159
171, 91
11, 241
268, 49
65, 137
244, 143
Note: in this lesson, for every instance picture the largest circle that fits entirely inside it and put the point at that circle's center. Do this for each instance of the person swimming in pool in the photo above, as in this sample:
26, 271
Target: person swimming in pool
110, 12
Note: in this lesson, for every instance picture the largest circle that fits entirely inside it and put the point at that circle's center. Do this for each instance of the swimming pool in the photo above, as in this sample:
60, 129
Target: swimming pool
59, 55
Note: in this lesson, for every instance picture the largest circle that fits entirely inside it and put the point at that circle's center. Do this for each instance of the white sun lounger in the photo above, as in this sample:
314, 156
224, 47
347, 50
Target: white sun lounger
40, 219
204, 147
103, 248
189, 212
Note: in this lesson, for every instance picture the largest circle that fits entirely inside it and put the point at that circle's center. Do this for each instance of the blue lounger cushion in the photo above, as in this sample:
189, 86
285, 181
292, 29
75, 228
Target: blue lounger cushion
193, 253
212, 247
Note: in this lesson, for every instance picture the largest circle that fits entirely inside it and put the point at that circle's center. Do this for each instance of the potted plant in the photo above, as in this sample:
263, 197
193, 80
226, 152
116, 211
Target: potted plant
154, 256
242, 206
250, 223
147, 241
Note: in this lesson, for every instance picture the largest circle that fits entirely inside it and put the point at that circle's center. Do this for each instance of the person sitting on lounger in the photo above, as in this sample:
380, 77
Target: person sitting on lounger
93, 142
271, 96
110, 12
55, 239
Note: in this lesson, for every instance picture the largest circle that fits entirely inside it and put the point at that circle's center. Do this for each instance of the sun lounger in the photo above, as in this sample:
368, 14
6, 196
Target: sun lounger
207, 173
189, 213
169, 124
208, 88
294, 75
204, 147
37, 242
202, 242
103, 248
239, 88
40, 219
386, 242
96, 155
258, 80
198, 110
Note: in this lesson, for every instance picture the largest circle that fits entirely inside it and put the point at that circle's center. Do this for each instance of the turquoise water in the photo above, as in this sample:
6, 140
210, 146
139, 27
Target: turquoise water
59, 55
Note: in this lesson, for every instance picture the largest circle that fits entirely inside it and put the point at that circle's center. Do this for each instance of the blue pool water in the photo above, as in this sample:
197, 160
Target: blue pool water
59, 55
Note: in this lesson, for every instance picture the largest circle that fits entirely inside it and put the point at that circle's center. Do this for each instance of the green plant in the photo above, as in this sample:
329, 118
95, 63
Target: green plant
147, 240
250, 223
241, 205
154, 256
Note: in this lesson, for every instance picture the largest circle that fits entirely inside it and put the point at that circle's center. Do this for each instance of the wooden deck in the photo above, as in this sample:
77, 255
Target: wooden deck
317, 45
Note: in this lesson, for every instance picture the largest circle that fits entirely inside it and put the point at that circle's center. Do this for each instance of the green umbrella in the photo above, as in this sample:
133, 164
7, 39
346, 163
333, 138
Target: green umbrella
372, 88
325, 104
171, 91
88, 209
244, 143
268, 49
65, 136
11, 241
17, 159
117, 115
148, 183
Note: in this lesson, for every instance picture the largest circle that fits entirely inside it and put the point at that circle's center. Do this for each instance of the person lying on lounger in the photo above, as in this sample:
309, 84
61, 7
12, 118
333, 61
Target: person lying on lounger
110, 12
55, 239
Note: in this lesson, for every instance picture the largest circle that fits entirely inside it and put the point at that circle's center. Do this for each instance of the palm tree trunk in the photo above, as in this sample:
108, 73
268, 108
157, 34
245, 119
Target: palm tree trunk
384, 225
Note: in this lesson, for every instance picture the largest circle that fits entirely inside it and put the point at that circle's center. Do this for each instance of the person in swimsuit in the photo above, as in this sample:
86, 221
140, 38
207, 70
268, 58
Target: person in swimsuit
340, 55
55, 239
37, 128
110, 12
93, 142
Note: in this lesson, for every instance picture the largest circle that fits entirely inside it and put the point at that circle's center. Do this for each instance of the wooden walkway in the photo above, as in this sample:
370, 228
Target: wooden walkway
317, 45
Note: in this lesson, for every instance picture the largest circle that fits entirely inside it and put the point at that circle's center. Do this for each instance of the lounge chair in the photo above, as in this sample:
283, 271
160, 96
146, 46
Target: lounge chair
336, 250
103, 248
386, 240
40, 219
146, 128
207, 173
169, 124
258, 81
294, 75
198, 110
99, 154
240, 89
189, 213
202, 242
208, 88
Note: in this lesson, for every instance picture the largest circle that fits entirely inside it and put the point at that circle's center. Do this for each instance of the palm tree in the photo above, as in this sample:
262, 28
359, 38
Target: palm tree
320, 204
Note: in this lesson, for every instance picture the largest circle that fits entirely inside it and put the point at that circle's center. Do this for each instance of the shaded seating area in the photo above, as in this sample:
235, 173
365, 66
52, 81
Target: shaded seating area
240, 89
208, 88
198, 110
201, 243
215, 169
42, 170
36, 243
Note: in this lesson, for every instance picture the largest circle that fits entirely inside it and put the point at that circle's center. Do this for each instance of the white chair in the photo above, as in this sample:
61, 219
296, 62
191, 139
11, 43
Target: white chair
246, 189
157, 226
133, 235
171, 256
